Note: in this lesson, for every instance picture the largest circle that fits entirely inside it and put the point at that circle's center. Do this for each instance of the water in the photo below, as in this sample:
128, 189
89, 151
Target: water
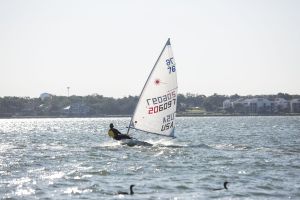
75, 159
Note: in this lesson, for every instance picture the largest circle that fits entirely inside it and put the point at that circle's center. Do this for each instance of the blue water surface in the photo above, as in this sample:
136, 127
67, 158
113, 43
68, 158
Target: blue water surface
73, 158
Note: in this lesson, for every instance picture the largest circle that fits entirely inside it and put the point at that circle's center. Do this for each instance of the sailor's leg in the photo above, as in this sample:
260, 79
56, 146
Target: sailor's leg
124, 136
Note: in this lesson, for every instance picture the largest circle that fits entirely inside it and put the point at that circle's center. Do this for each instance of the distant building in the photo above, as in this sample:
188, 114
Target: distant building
76, 109
295, 105
44, 96
239, 105
281, 105
252, 105
227, 104
259, 105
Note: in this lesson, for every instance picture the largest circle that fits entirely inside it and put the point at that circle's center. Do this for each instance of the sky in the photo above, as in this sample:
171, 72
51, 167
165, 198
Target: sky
108, 47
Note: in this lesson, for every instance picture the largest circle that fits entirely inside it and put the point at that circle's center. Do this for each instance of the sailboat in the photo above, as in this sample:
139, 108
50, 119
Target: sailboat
155, 111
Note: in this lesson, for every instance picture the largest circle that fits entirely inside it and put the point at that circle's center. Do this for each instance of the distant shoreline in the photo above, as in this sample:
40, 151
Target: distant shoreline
177, 115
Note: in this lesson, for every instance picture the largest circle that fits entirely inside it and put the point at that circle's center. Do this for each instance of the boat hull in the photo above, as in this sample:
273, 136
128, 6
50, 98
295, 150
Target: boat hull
134, 142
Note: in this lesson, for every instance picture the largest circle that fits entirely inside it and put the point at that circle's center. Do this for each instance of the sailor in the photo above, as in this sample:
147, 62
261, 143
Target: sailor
116, 134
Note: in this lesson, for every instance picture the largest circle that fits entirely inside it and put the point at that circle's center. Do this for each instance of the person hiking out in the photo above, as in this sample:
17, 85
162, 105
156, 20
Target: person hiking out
116, 134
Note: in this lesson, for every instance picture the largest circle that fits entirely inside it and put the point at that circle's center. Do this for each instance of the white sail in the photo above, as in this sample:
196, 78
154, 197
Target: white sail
156, 109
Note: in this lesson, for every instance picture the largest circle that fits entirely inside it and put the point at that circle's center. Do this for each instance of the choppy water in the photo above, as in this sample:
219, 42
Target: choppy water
75, 159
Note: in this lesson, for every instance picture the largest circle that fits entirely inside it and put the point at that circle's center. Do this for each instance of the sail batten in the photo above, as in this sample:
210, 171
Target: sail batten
156, 109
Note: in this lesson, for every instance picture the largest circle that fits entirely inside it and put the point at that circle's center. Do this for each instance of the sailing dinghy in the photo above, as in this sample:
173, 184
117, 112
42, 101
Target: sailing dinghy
156, 109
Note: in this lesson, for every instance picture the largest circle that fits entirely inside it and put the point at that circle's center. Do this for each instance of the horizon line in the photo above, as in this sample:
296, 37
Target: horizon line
185, 94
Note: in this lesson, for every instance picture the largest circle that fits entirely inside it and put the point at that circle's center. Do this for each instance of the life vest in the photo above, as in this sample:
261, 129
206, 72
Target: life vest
111, 134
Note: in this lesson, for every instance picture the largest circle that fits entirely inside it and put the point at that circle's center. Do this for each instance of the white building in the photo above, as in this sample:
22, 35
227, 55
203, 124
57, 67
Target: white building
227, 104
281, 104
261, 104
239, 105
253, 105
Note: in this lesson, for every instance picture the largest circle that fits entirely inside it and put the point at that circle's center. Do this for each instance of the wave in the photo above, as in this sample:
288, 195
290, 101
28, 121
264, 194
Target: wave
241, 147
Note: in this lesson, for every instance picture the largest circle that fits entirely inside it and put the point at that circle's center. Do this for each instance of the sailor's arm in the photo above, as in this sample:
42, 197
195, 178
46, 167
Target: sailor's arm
116, 131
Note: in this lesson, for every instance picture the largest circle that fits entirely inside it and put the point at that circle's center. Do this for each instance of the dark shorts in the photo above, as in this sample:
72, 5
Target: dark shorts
122, 136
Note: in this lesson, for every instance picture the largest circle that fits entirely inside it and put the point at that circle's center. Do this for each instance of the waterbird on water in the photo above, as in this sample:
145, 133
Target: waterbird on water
225, 186
131, 191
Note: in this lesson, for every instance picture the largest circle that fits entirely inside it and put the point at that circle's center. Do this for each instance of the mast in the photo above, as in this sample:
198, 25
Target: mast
167, 43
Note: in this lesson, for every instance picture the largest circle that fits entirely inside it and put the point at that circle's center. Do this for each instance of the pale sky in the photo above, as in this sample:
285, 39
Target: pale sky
110, 46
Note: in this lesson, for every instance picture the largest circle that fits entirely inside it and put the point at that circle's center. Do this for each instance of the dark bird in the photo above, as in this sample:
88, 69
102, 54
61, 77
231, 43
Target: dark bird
131, 191
225, 186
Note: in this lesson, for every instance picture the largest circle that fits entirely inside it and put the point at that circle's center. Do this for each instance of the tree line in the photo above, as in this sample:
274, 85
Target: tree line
98, 105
